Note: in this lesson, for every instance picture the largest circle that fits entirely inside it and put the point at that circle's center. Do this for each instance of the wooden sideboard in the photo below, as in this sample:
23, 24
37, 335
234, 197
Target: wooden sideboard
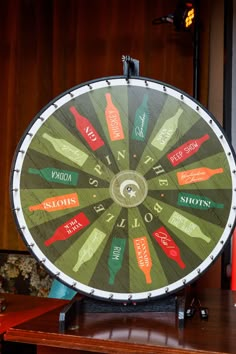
152, 332
21, 308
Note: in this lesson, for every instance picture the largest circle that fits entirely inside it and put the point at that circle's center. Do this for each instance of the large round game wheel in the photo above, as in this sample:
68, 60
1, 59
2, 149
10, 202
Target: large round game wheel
124, 188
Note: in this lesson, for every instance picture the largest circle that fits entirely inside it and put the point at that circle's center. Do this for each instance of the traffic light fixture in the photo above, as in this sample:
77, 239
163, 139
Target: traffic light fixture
184, 15
182, 18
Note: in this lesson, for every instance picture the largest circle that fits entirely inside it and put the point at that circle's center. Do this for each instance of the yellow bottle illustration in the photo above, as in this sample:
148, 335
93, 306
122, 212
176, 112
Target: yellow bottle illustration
167, 130
89, 248
187, 226
68, 150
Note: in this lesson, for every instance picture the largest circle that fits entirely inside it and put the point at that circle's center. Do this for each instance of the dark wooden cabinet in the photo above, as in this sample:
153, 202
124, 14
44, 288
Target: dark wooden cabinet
153, 332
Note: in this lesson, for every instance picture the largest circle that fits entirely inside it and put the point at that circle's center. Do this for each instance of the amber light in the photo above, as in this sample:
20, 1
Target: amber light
182, 18
189, 18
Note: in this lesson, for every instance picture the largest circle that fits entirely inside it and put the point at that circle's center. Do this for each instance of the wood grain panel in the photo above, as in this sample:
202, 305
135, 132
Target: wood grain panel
50, 46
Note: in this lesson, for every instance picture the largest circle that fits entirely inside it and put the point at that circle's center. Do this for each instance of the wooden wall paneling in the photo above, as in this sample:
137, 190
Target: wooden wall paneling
211, 94
64, 60
8, 132
22, 68
169, 57
204, 40
100, 37
50, 46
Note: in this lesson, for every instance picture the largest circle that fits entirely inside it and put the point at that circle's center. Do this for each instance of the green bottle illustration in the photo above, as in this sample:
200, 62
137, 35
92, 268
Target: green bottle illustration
89, 248
141, 121
116, 256
167, 131
197, 201
68, 150
187, 226
51, 174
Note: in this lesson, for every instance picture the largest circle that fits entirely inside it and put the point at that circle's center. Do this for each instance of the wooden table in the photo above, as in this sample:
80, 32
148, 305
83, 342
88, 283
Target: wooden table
21, 308
137, 332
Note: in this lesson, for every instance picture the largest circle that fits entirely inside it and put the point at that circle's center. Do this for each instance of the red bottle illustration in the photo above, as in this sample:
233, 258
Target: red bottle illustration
87, 130
186, 150
68, 229
168, 245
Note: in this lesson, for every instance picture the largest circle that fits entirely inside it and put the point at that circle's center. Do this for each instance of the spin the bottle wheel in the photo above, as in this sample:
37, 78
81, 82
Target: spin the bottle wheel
124, 188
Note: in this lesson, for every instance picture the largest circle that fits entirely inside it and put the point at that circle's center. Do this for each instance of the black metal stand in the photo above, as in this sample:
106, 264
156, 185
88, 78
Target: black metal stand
80, 305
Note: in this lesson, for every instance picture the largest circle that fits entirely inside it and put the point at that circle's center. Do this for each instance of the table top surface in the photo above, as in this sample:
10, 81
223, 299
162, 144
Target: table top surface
139, 332
21, 308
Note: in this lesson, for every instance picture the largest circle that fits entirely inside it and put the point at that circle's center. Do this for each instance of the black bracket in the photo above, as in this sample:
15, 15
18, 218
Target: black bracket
130, 66
195, 305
